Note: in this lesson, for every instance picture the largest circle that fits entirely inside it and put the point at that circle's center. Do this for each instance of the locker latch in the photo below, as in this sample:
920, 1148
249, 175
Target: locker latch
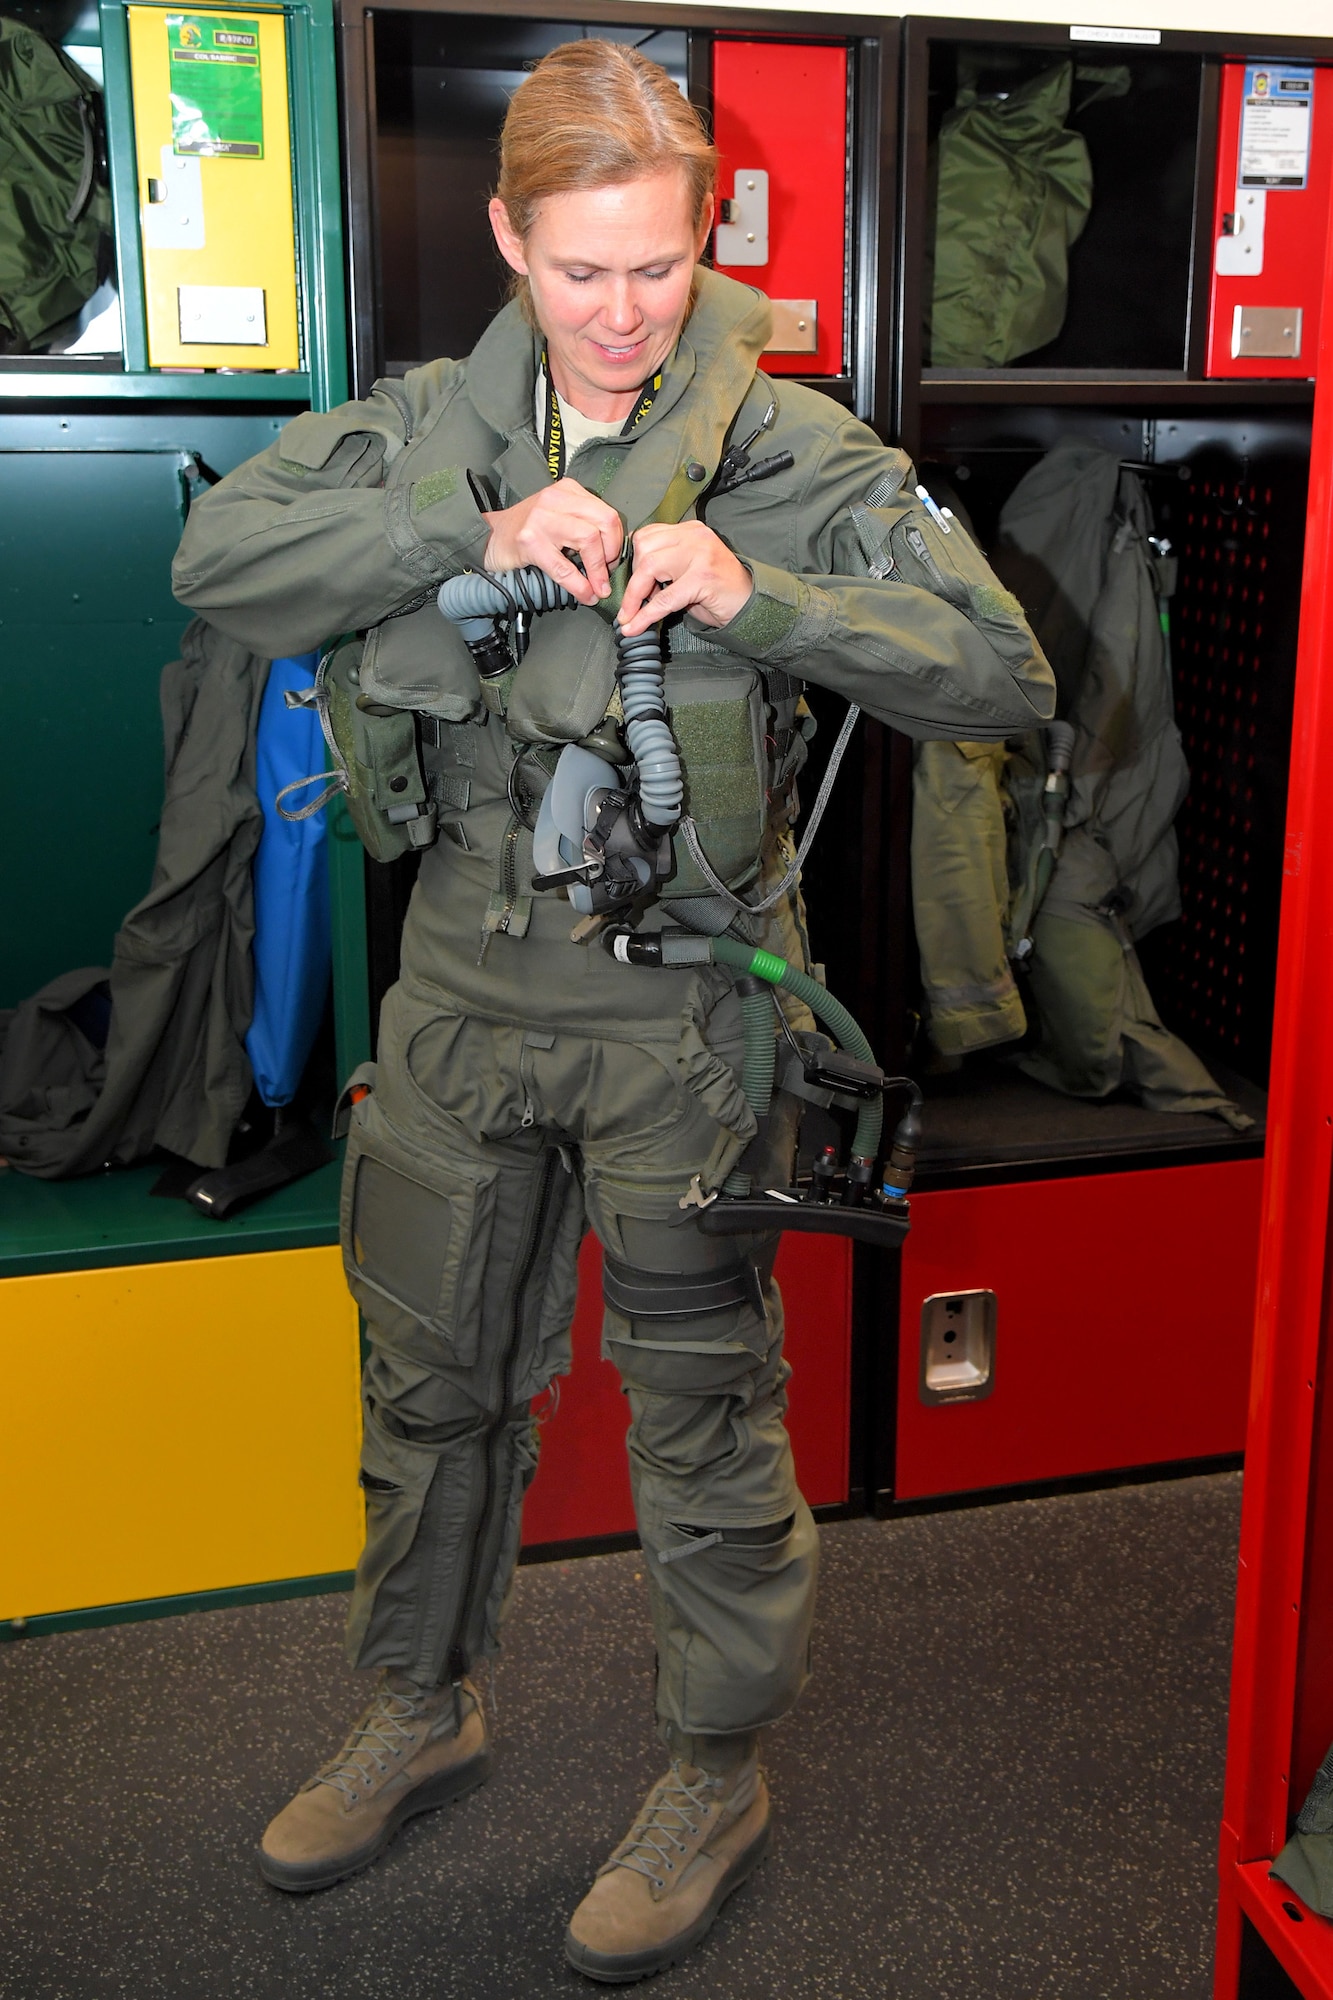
741, 236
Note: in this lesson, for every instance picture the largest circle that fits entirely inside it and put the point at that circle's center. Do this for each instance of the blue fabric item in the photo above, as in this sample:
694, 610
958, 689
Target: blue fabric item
292, 948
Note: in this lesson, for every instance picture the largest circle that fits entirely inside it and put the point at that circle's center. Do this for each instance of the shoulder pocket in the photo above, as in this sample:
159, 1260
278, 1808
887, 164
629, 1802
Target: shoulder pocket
356, 432
952, 567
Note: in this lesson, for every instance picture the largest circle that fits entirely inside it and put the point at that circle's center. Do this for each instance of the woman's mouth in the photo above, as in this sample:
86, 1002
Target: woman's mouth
620, 352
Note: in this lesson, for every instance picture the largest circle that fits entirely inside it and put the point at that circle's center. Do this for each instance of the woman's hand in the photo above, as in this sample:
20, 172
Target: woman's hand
683, 568
539, 530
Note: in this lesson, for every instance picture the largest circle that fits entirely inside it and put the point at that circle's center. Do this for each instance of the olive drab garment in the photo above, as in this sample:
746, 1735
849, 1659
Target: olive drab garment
351, 520
351, 516
1014, 192
1075, 546
960, 896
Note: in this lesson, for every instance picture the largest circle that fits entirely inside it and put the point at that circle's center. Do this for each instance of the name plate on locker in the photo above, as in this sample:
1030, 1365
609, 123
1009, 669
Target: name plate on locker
222, 315
1272, 333
795, 326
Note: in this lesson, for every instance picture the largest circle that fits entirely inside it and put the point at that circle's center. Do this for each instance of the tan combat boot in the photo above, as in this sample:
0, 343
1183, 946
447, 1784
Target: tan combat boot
697, 1838
404, 1756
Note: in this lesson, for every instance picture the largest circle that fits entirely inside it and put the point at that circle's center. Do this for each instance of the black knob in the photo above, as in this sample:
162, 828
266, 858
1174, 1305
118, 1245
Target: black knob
398, 784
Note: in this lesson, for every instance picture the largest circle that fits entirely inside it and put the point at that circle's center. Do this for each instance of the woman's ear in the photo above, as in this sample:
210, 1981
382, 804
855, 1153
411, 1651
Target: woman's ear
510, 245
706, 215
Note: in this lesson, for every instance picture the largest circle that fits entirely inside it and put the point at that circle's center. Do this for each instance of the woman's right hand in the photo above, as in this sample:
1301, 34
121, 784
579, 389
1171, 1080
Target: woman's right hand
539, 530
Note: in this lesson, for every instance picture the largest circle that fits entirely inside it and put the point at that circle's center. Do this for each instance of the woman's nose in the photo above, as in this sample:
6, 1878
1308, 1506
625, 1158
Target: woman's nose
619, 312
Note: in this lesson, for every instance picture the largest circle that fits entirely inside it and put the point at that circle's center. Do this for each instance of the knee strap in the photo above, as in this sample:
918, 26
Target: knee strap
679, 1294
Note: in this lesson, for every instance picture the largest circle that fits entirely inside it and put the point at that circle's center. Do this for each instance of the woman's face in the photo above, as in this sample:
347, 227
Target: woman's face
610, 270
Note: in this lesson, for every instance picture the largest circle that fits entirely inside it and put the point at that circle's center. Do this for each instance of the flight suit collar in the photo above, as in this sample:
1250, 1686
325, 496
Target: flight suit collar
715, 356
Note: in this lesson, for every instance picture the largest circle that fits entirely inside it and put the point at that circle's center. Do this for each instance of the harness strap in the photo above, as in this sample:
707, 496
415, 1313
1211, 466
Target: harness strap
676, 1294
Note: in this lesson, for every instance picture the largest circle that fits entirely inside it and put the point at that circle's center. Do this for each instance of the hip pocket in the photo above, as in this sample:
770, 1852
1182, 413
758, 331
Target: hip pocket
416, 1234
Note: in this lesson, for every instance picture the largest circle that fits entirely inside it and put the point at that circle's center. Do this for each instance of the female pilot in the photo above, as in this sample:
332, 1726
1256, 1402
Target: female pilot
528, 1085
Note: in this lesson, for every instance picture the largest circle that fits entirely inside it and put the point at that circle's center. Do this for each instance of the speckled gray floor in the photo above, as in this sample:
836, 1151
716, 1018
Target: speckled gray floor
1004, 1783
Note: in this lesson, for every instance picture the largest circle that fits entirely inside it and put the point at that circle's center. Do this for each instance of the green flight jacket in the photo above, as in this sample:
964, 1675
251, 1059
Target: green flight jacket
350, 516
351, 520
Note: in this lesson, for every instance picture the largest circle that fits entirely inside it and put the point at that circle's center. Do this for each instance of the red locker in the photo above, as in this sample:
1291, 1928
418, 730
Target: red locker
1123, 1313
1270, 219
781, 108
582, 1484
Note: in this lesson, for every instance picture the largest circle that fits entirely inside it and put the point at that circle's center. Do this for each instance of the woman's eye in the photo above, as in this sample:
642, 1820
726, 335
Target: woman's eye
580, 277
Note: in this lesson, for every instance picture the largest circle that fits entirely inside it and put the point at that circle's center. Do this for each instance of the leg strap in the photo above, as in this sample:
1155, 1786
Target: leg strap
679, 1294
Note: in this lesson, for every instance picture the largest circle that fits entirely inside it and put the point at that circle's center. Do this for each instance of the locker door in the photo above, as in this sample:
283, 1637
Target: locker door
781, 108
1274, 178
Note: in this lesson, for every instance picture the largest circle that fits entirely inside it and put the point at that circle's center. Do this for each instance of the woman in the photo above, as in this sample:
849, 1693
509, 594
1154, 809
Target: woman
528, 1085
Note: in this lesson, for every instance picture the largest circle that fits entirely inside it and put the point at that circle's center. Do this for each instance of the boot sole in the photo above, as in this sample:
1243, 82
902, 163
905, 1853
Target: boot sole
301, 1879
626, 1967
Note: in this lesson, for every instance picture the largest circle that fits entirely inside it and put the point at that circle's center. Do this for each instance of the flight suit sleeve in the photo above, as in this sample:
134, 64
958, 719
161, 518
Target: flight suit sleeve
306, 540
877, 602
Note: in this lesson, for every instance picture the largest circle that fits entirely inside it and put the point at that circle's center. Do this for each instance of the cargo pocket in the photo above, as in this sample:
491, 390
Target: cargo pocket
416, 1236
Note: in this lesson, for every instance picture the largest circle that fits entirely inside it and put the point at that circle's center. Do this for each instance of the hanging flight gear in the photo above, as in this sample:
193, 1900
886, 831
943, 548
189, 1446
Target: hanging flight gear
55, 213
1015, 190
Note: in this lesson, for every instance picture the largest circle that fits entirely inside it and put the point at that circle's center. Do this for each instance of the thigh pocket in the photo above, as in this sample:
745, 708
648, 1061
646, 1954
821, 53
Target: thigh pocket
416, 1235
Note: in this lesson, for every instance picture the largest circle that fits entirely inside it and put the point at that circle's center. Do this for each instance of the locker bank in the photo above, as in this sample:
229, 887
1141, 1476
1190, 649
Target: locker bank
1052, 1248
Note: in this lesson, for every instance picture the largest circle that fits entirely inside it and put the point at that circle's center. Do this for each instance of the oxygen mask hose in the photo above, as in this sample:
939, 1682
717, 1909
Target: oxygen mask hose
641, 679
477, 598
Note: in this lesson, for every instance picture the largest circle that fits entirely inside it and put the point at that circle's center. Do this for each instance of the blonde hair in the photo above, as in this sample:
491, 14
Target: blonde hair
595, 114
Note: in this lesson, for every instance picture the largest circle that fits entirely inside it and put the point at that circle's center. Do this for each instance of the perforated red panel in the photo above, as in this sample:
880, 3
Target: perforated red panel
1218, 620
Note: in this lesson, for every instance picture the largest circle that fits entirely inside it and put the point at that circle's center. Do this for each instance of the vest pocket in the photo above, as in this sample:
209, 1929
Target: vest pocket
717, 714
416, 1236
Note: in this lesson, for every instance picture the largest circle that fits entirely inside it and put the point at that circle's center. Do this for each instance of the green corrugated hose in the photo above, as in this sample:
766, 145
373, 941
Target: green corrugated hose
766, 965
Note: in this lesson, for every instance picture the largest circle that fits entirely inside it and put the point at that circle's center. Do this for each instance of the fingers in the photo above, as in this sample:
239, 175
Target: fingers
683, 568
565, 531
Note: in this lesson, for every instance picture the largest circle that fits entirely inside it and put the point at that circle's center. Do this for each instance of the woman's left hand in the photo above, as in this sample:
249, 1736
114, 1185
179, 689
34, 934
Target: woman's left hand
683, 568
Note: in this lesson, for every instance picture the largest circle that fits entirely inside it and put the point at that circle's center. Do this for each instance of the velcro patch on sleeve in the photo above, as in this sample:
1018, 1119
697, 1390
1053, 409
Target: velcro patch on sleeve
990, 601
434, 486
765, 622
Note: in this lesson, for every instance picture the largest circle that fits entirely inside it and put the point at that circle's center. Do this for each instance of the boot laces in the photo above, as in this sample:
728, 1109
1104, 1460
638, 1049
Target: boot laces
654, 1843
382, 1734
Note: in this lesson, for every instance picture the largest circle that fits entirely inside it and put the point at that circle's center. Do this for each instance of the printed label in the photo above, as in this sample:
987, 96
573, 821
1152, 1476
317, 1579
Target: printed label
1275, 127
217, 94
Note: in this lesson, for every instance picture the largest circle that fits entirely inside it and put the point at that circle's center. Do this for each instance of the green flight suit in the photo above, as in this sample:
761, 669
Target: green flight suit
528, 1085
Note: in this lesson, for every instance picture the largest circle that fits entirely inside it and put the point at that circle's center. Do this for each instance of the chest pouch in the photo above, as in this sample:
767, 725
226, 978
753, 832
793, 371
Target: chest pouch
376, 757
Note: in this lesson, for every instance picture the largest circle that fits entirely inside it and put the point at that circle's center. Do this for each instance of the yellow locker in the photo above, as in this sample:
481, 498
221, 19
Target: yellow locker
174, 1428
215, 188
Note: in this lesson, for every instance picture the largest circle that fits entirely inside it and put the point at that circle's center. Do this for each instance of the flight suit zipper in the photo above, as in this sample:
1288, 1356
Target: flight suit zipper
500, 920
456, 1659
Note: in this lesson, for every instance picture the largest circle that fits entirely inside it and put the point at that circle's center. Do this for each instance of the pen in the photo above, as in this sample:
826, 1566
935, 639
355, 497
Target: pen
932, 509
